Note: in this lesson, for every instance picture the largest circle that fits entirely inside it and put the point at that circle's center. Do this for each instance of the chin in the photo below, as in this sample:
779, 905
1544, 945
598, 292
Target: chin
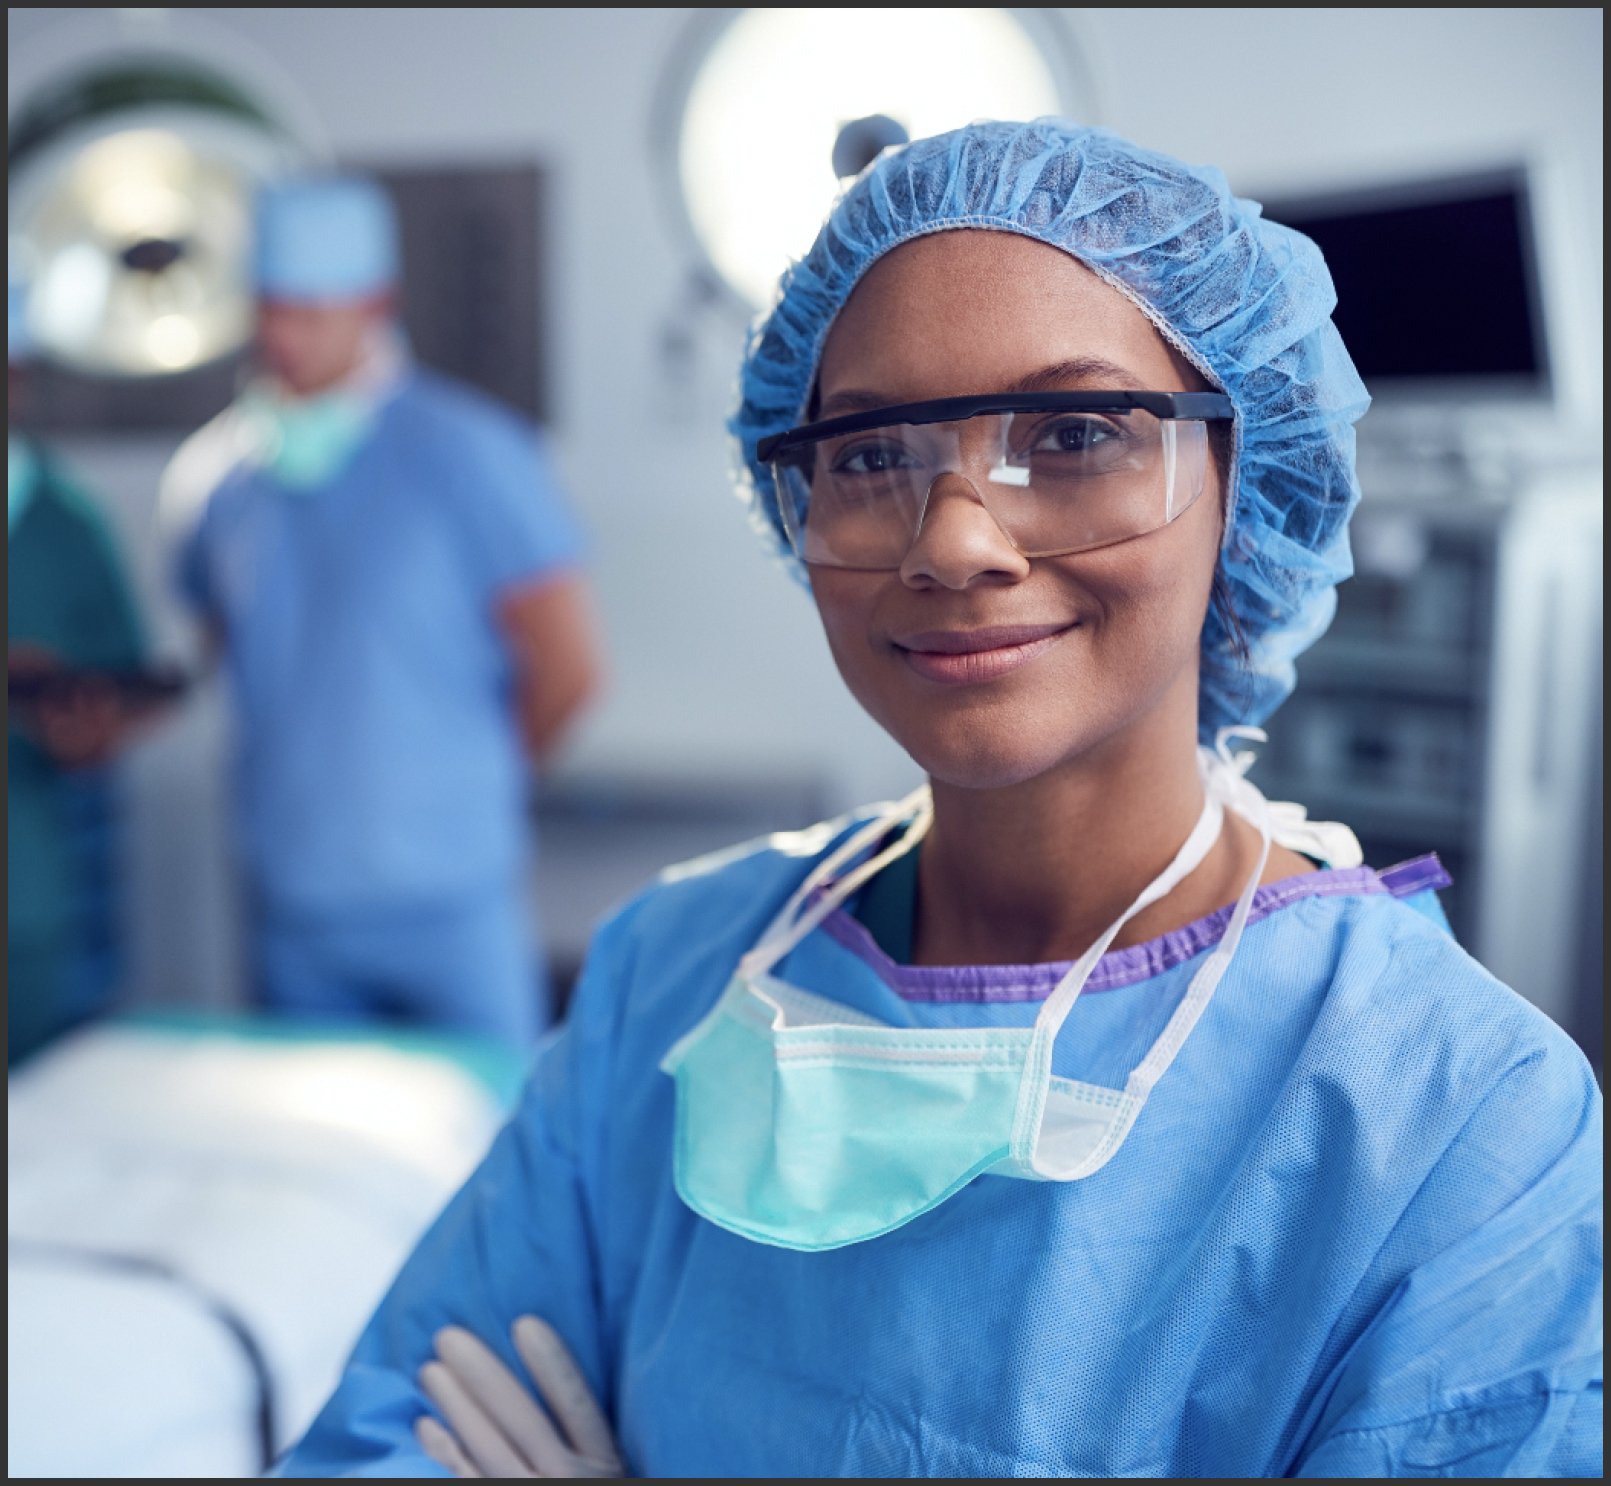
996, 736
980, 752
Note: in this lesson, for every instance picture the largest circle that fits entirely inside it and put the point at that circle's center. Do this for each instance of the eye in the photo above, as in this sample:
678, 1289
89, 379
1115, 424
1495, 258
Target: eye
1076, 435
880, 458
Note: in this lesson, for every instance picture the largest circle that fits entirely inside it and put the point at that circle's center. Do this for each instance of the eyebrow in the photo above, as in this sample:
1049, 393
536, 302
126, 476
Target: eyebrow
1057, 376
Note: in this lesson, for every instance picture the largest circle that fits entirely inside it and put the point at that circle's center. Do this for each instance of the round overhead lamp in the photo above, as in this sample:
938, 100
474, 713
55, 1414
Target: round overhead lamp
765, 114
130, 183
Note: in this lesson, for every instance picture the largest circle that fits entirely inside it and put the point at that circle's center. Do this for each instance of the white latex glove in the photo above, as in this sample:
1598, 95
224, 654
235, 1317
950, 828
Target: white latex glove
495, 1427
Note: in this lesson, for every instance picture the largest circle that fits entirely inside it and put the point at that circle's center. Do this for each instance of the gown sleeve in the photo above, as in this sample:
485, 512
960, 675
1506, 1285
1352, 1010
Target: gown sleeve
519, 1237
1487, 1358
518, 524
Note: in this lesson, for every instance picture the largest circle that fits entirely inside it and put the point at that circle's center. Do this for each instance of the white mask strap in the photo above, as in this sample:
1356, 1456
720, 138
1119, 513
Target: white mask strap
1225, 773
785, 931
1328, 841
1223, 779
1197, 845
1203, 983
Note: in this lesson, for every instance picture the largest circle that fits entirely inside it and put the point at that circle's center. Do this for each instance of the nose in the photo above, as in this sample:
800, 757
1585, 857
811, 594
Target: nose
959, 542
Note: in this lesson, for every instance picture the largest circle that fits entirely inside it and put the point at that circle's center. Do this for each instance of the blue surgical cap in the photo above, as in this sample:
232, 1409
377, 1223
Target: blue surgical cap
1246, 301
327, 238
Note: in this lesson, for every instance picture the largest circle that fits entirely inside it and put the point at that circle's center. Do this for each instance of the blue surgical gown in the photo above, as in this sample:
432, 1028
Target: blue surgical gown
379, 765
1355, 1232
381, 784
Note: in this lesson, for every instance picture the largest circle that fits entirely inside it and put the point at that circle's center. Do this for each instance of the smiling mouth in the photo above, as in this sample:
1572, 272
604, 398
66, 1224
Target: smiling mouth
962, 657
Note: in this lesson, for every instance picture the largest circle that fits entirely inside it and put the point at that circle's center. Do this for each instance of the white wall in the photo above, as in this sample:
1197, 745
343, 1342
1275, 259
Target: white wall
717, 662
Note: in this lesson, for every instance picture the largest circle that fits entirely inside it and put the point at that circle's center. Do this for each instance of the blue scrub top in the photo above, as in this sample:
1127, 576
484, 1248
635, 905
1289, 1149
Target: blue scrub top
379, 763
1355, 1231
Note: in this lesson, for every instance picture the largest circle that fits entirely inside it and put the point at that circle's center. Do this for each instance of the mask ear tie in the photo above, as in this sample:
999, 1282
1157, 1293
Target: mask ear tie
787, 929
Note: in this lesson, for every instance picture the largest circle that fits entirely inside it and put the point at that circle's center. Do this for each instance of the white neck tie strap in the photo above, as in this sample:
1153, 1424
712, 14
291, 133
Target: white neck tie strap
786, 930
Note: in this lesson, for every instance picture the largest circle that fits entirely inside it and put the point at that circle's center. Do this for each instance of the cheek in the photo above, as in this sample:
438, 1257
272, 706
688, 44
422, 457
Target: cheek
1151, 593
1144, 610
844, 606
848, 605
287, 346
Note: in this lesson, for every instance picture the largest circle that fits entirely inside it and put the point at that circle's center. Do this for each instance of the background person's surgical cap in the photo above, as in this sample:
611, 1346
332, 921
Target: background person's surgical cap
1248, 302
324, 238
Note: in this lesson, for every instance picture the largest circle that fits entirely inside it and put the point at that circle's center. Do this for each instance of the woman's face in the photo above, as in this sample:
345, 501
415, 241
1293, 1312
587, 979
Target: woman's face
972, 311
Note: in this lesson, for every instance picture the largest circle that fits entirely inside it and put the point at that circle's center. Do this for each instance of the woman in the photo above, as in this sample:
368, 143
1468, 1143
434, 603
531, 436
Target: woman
1062, 435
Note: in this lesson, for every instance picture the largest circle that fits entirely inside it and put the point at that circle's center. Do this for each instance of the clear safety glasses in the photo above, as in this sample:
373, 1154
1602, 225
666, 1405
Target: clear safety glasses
1059, 472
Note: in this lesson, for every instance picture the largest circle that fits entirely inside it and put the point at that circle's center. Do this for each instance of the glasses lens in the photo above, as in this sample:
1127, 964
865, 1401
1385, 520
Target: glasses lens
1054, 483
855, 501
1069, 482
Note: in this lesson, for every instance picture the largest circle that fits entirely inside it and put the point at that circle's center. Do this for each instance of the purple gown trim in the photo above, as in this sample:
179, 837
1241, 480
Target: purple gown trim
1137, 962
1415, 876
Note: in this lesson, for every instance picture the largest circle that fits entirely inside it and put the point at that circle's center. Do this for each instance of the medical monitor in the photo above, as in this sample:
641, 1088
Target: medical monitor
1438, 295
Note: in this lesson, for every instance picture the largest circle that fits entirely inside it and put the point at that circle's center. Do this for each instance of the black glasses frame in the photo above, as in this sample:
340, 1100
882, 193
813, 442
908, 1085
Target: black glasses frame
1204, 407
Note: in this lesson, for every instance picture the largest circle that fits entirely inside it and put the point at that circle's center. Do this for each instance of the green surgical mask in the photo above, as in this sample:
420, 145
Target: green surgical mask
22, 467
806, 1125
306, 442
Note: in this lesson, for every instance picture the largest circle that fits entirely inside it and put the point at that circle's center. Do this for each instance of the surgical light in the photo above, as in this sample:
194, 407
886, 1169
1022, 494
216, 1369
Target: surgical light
129, 194
765, 111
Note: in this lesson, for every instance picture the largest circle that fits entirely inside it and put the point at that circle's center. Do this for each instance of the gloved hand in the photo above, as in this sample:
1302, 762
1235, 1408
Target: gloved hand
495, 1427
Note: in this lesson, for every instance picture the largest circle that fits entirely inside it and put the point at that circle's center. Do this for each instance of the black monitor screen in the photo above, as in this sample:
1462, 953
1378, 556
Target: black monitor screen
1431, 289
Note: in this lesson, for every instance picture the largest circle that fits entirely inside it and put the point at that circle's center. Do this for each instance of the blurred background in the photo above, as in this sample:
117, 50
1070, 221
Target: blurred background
592, 205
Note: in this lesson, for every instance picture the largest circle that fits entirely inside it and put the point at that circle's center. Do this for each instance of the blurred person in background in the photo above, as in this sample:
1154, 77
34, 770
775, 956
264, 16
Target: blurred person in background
77, 689
384, 562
